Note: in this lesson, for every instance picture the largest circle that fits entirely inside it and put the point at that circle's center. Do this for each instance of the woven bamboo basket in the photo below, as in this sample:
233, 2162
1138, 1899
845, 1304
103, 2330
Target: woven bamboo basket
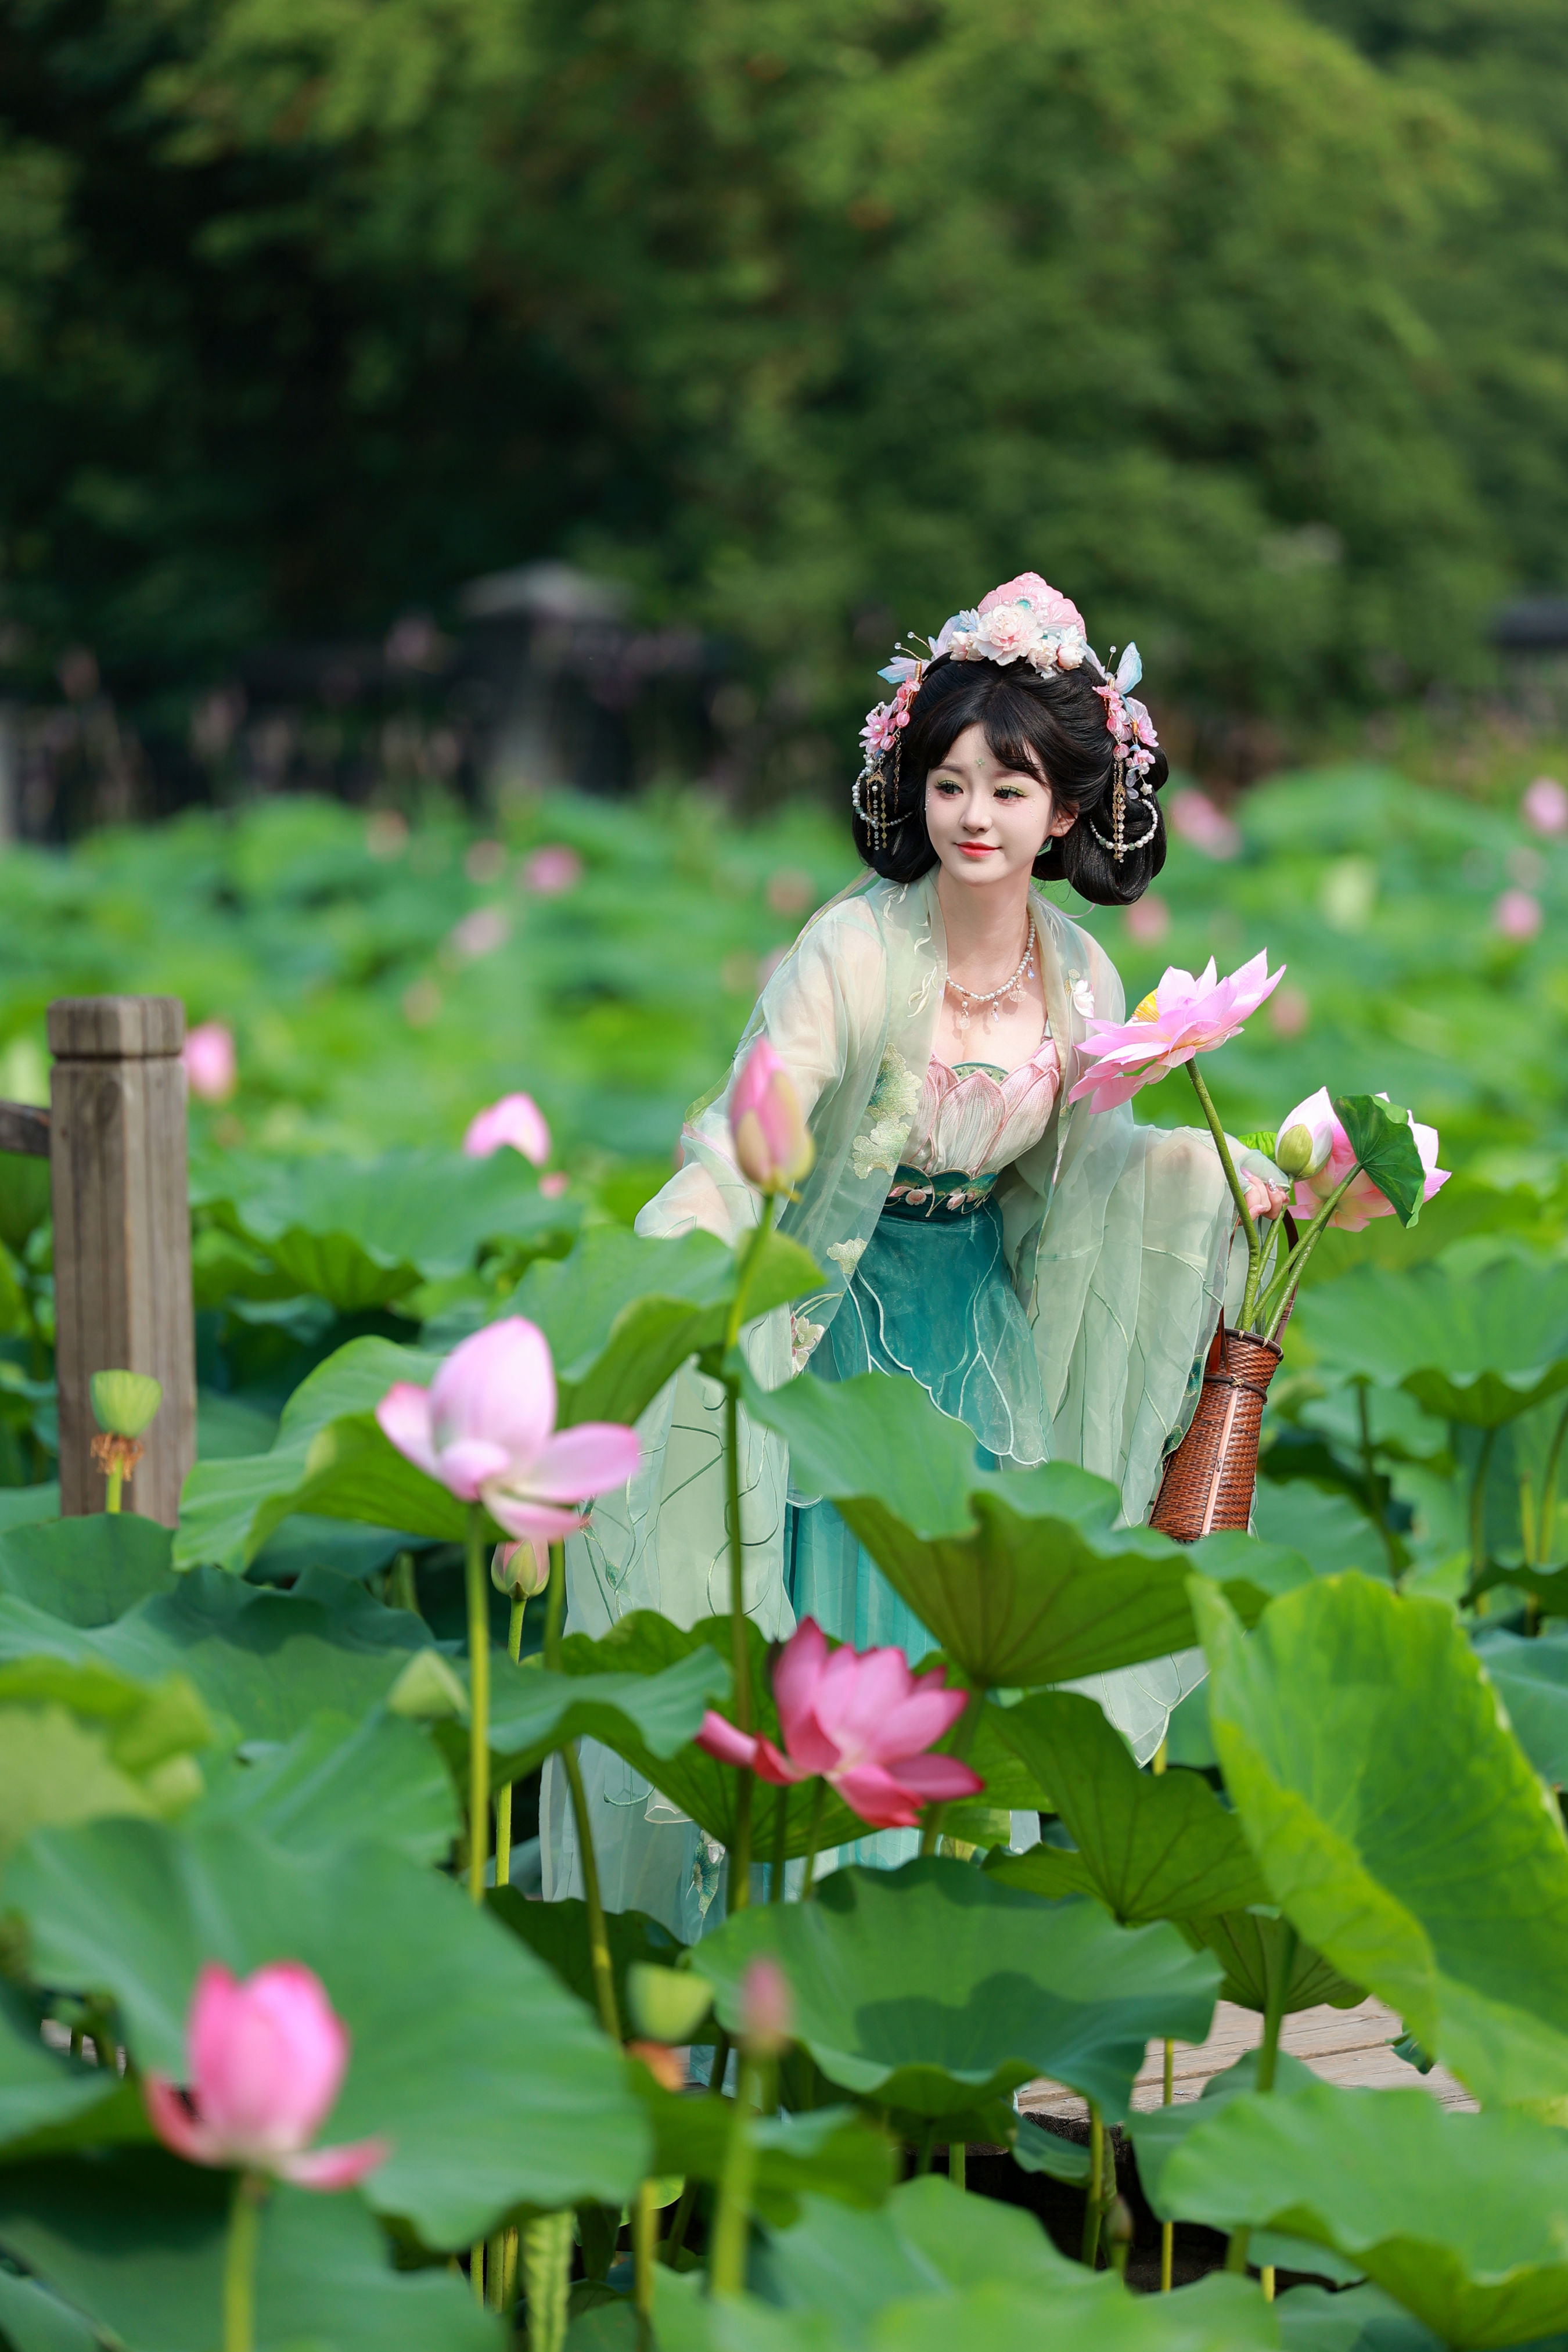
1209, 1479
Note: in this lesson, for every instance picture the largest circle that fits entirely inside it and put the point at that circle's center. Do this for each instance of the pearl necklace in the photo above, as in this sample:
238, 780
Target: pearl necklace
1009, 993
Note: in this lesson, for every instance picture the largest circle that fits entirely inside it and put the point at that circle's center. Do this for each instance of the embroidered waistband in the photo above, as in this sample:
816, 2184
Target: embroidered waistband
953, 1194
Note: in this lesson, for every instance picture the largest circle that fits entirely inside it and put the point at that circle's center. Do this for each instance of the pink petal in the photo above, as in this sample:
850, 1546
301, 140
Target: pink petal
466, 1466
938, 1778
515, 1120
267, 2056
334, 2168
877, 1797
535, 1522
919, 1722
796, 1676
174, 2123
499, 1385
720, 1738
404, 1415
590, 1459
783, 1771
758, 1071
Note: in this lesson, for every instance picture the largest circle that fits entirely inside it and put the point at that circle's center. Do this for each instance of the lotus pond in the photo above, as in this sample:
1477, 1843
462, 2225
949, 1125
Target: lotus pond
252, 1741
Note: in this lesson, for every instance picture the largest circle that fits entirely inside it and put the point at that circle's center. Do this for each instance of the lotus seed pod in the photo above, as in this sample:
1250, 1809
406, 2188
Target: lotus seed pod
124, 1404
666, 2004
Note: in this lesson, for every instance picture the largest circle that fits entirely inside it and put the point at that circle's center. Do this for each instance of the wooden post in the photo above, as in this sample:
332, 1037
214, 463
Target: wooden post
122, 1237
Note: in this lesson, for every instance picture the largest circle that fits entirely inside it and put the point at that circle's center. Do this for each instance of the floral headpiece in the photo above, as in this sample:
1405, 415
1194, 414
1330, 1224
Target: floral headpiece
1025, 620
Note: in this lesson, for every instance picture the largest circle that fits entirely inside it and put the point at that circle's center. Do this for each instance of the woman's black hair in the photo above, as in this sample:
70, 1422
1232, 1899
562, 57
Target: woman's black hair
1051, 725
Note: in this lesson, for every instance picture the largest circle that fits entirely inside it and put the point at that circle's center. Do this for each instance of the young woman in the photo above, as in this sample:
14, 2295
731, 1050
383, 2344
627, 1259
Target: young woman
1050, 1276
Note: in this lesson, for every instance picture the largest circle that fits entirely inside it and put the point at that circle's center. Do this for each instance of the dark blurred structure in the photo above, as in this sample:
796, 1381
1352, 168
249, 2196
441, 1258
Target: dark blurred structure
541, 678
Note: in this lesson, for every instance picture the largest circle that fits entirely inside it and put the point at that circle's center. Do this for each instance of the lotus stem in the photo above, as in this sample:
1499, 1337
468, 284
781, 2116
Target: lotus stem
598, 1935
958, 2163
963, 1741
1094, 2207
740, 1872
1275, 1993
1267, 2275
503, 1796
814, 1833
546, 2273
476, 2270
1275, 1303
1248, 1223
113, 1488
1545, 1529
1478, 1509
677, 2228
478, 1584
726, 2259
240, 2263
403, 1592
1369, 1472
644, 2232
780, 1843
1168, 2229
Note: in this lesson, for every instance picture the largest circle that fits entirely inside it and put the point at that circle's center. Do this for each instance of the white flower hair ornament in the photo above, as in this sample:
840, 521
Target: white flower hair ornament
1029, 621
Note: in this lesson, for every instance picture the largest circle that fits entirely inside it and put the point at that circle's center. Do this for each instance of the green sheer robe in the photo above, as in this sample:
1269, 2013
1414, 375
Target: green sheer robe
1120, 1243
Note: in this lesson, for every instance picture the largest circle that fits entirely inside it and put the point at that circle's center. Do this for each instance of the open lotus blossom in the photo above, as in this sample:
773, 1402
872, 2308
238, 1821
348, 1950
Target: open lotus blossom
515, 1120
486, 1428
1182, 1017
773, 1142
1545, 805
1331, 1160
862, 1721
267, 2061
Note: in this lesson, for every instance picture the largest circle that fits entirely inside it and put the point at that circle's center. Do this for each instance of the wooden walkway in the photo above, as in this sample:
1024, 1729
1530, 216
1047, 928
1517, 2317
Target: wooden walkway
1348, 2046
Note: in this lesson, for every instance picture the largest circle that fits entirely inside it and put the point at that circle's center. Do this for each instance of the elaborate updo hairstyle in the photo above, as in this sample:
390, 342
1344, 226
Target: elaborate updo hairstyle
1050, 725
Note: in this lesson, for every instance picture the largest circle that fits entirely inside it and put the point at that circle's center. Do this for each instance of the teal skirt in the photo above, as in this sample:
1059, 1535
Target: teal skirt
930, 1299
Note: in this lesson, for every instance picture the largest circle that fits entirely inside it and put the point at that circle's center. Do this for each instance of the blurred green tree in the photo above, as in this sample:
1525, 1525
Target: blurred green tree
809, 319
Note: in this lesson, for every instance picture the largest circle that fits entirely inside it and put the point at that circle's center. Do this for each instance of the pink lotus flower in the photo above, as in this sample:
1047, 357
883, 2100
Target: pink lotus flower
267, 2061
515, 1120
1147, 918
773, 1148
1182, 1017
767, 2007
486, 1429
1195, 818
1332, 1160
551, 870
1544, 807
862, 1721
520, 1568
1518, 914
212, 1066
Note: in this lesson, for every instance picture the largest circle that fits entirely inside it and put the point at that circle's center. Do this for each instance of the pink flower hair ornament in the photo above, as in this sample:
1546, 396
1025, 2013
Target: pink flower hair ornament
1027, 620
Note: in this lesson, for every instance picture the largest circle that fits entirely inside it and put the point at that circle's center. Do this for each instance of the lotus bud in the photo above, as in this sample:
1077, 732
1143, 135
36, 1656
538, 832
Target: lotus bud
522, 1569
668, 2071
1293, 1151
773, 1142
124, 1404
667, 2005
767, 2009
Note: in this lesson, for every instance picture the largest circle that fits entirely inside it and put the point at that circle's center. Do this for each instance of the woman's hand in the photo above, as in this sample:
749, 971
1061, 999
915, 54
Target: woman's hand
1263, 1199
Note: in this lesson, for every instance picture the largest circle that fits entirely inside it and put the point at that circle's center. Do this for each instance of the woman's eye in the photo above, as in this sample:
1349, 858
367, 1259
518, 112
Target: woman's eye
946, 784
1009, 793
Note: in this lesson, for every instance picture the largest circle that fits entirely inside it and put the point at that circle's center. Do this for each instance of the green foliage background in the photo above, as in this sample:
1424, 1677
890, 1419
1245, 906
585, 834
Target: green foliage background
1244, 321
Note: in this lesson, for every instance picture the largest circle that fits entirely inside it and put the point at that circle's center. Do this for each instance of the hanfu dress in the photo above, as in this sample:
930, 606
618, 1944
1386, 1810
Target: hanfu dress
1050, 1276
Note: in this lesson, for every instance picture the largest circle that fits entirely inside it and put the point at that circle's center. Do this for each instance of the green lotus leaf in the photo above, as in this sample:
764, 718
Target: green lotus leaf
33, 2320
1379, 1134
361, 1232
1530, 1678
1335, 1723
931, 1990
833, 2152
42, 2090
329, 1458
1022, 1578
339, 1782
79, 1740
644, 1642
1154, 1846
1321, 1523
1035, 2150
1458, 2216
1249, 1946
458, 2030
622, 1313
927, 2239
87, 1571
1481, 1347
557, 1933
135, 2242
533, 1712
261, 1662
1348, 2319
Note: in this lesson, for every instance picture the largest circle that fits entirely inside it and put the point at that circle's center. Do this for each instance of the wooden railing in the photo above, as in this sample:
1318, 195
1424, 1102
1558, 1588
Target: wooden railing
114, 1135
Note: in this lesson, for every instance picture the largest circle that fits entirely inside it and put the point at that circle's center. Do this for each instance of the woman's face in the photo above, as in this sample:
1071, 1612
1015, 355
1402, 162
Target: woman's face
985, 821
